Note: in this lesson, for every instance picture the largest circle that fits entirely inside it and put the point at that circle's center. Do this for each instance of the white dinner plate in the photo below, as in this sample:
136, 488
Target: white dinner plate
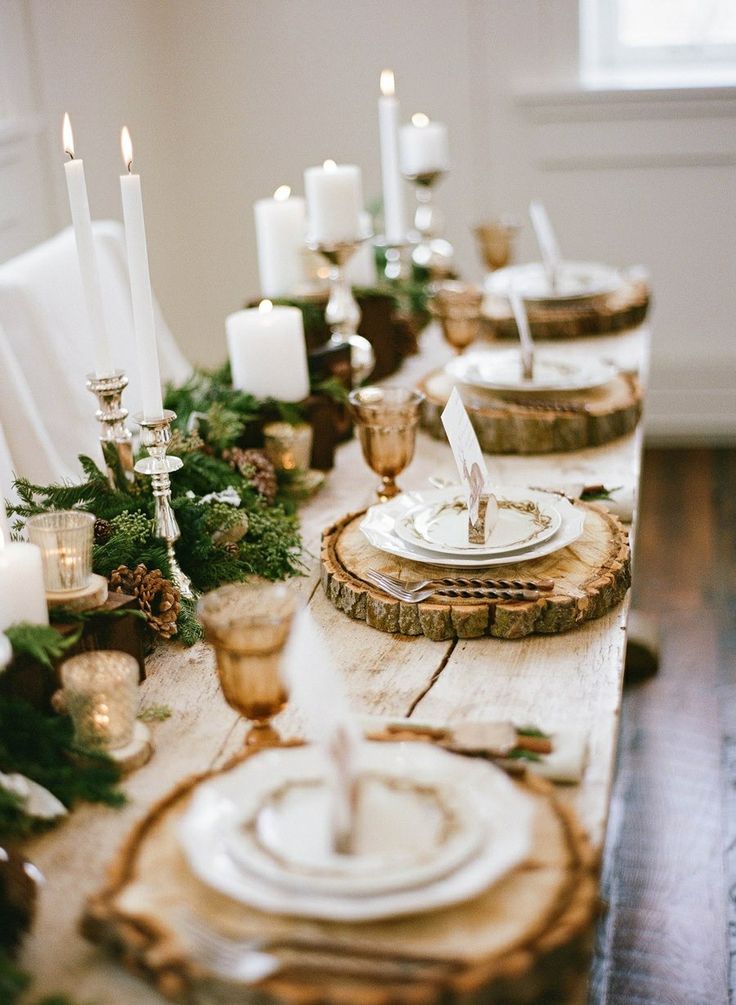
502, 371
575, 281
442, 526
379, 528
502, 811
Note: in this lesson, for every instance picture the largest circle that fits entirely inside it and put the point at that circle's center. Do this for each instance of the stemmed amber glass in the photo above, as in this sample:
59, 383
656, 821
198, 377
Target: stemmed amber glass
386, 420
248, 625
457, 306
496, 242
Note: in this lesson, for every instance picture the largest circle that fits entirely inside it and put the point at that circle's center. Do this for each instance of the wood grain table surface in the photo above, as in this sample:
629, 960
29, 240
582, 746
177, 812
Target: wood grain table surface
574, 678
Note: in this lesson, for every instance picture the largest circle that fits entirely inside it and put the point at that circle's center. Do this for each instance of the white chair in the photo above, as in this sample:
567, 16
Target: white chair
46, 351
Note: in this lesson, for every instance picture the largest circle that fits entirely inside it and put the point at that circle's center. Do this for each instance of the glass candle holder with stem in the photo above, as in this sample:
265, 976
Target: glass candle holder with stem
248, 626
386, 421
65, 540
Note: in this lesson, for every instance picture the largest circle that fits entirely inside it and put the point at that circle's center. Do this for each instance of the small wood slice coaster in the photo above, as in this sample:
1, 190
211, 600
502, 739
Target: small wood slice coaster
526, 938
591, 576
619, 311
540, 424
94, 594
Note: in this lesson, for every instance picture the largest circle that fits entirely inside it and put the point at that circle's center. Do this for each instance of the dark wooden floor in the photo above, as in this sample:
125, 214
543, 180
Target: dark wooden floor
669, 936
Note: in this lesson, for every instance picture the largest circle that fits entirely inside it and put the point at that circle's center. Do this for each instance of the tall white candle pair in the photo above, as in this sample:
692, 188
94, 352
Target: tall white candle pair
140, 280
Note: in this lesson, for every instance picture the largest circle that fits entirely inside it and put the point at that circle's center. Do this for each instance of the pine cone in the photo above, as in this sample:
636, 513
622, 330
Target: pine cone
231, 548
256, 468
125, 580
103, 531
160, 602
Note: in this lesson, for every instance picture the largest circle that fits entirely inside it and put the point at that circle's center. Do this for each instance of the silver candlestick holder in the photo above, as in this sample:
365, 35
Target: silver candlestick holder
431, 251
116, 439
342, 313
155, 437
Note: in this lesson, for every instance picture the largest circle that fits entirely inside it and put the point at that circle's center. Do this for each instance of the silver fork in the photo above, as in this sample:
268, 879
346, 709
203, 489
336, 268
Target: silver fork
415, 592
252, 960
443, 583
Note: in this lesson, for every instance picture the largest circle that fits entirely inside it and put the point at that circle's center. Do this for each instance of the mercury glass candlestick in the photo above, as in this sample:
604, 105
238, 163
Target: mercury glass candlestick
457, 306
116, 439
248, 625
342, 313
386, 420
101, 694
65, 540
431, 251
155, 436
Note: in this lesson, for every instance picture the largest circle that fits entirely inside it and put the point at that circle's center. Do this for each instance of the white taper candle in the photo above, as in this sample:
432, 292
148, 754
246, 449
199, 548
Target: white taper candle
393, 192
140, 284
82, 222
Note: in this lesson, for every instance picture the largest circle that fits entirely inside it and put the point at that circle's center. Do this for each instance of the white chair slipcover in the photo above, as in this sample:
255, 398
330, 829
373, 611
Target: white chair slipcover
46, 413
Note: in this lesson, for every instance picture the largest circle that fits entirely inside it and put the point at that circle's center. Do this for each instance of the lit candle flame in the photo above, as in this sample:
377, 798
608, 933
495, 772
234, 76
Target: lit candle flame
67, 136
282, 193
265, 307
420, 120
126, 145
387, 83
329, 165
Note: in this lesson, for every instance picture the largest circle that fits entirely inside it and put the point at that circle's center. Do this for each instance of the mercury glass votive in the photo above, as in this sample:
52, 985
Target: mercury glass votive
65, 540
288, 447
101, 694
248, 625
386, 420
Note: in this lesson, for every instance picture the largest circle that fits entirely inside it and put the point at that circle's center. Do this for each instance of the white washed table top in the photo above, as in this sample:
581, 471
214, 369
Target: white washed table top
573, 678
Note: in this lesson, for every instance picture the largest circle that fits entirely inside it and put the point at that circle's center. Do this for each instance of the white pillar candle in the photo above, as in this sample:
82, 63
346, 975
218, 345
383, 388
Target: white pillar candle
423, 145
393, 192
280, 234
268, 353
140, 285
22, 593
334, 202
361, 268
82, 223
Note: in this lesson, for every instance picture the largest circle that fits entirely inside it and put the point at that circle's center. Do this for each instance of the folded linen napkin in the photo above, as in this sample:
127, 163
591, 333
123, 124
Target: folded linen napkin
558, 755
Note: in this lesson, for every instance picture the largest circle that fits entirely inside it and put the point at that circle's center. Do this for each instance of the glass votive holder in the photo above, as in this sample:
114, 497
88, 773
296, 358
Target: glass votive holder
287, 446
101, 695
65, 540
248, 625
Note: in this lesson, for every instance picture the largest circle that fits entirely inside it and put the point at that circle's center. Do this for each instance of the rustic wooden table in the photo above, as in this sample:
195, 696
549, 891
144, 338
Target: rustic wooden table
553, 681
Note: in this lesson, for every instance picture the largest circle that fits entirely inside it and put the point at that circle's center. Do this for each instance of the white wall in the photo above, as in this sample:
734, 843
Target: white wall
228, 99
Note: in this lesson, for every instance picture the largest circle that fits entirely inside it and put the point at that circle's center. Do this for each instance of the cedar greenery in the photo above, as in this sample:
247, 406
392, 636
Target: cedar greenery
41, 746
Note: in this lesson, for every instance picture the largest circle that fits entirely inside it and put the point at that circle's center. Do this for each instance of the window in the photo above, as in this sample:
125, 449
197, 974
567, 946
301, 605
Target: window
654, 42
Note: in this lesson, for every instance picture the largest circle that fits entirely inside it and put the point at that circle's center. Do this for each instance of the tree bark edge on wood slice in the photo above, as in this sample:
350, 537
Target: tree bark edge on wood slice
135, 917
619, 312
509, 427
592, 575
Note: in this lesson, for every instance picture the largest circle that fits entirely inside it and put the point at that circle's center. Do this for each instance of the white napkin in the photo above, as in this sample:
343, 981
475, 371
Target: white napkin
37, 801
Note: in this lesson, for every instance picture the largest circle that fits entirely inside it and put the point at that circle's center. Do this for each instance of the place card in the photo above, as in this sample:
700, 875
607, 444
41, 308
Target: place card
471, 466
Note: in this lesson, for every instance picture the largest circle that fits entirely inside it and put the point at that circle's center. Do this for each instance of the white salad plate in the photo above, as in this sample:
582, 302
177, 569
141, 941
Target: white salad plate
442, 526
502, 371
575, 281
379, 529
479, 825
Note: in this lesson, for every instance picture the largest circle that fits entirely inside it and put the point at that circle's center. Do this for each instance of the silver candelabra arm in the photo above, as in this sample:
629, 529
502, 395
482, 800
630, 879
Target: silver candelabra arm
155, 437
116, 439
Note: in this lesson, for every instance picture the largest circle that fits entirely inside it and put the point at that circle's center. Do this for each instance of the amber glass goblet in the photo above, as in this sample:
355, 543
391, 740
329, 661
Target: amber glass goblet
458, 308
386, 420
248, 625
496, 242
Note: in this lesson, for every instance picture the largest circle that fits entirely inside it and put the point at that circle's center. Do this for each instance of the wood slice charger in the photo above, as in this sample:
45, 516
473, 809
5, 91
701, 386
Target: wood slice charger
591, 576
615, 312
524, 940
540, 424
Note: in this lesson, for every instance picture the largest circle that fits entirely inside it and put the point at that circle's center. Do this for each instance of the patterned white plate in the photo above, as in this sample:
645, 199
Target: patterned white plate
575, 280
379, 528
442, 525
502, 371
503, 813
